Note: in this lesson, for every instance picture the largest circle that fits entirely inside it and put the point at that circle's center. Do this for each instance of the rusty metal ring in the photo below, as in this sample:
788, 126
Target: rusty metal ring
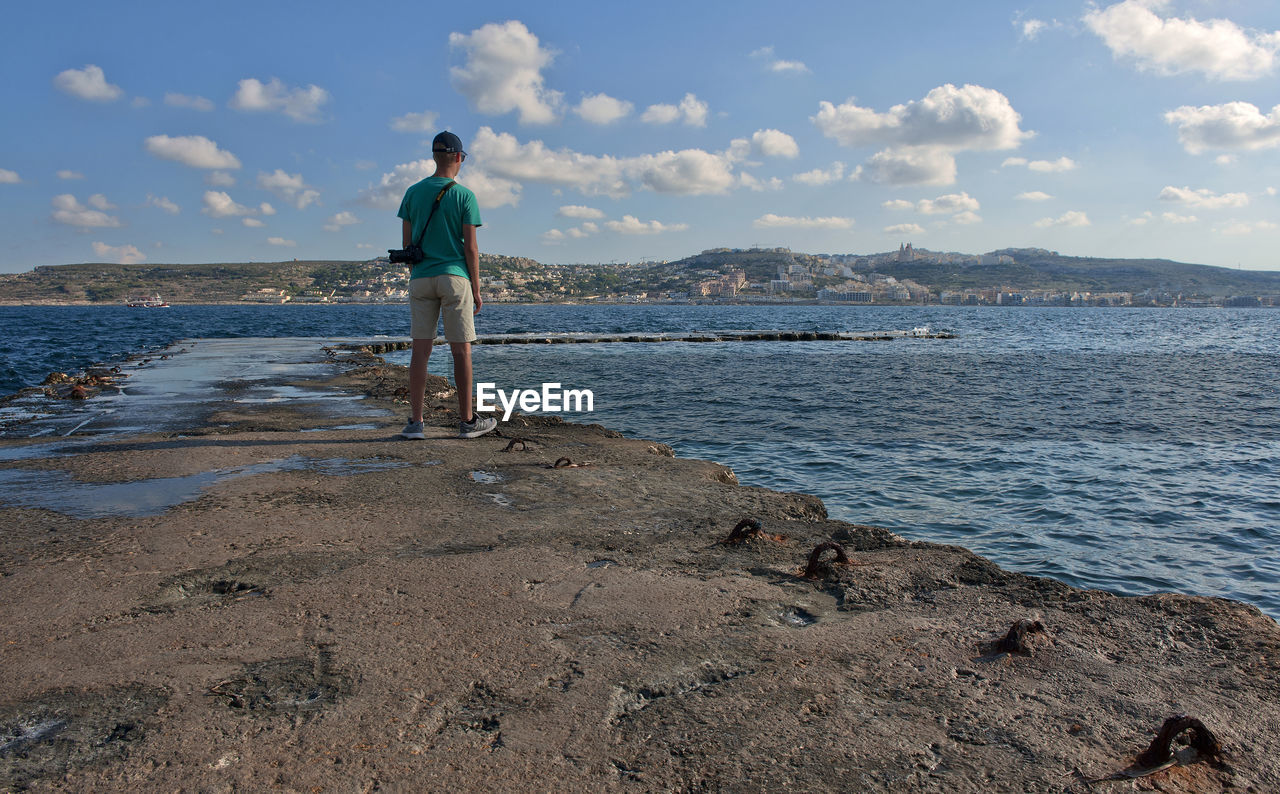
815, 559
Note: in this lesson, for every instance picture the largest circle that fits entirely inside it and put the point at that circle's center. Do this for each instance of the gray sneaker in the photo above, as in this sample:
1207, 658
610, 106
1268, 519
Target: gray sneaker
413, 430
476, 428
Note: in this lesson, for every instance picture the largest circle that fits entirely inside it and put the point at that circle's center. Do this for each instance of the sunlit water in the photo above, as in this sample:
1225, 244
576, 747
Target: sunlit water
1130, 450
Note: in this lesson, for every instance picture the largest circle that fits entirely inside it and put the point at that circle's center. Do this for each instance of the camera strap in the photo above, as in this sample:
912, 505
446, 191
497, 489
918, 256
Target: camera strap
435, 205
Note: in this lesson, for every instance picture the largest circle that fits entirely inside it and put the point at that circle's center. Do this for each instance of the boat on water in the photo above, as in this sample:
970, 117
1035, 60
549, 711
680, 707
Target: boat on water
146, 302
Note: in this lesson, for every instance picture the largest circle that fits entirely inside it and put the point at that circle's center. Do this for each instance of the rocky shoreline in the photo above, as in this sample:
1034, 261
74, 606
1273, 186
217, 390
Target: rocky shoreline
328, 608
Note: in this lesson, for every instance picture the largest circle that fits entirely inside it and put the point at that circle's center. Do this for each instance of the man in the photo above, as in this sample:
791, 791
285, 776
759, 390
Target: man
446, 281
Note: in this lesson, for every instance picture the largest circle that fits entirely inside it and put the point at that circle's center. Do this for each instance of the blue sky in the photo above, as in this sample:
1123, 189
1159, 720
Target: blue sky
173, 132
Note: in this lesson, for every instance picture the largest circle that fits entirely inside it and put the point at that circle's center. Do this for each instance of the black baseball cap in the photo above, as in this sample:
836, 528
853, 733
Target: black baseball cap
447, 142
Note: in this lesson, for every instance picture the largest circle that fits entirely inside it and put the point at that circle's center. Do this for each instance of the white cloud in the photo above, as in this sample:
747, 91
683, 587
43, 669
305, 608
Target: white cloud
88, 83
1142, 219
1234, 126
967, 217
120, 255
691, 110
774, 64
820, 176
775, 143
99, 202
183, 101
1032, 28
1225, 159
289, 187
686, 172
218, 204
948, 204
491, 191
1271, 191
630, 224
299, 104
68, 210
266, 209
905, 228
1042, 166
8, 177
67, 174
252, 223
751, 182
390, 189
579, 211
340, 219
196, 151
1070, 218
1218, 48
913, 165
415, 122
281, 241
552, 237
1203, 198
603, 109
162, 203
922, 136
219, 179
1237, 228
898, 204
1033, 195
1176, 219
772, 221
503, 72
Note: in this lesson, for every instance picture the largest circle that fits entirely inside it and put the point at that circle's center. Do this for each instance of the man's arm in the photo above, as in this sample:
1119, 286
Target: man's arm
406, 234
471, 251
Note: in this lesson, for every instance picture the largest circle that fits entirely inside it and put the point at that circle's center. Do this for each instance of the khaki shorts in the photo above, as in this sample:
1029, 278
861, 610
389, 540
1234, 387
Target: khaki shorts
447, 294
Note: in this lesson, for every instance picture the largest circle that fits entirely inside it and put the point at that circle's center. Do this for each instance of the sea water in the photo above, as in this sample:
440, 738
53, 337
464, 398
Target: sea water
1133, 450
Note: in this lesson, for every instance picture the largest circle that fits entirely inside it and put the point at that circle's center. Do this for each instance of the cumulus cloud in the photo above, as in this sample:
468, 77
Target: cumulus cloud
67, 174
686, 172
1234, 126
218, 204
585, 230
1033, 195
88, 83
775, 143
1032, 28
99, 202
922, 136
751, 182
1237, 228
1042, 166
1176, 219
1142, 219
1070, 218
289, 187
266, 209
948, 204
162, 203
119, 254
771, 221
691, 110
339, 220
603, 109
8, 177
503, 72
552, 237
1203, 198
192, 102
281, 242
630, 224
967, 217
415, 122
821, 176
898, 204
492, 191
1219, 48
252, 223
905, 228
68, 210
196, 151
579, 211
775, 64
299, 104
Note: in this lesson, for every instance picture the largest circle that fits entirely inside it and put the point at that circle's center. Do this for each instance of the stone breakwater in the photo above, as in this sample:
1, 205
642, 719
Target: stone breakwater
558, 607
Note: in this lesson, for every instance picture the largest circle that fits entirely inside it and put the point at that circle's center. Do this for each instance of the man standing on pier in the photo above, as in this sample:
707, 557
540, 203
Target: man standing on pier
442, 216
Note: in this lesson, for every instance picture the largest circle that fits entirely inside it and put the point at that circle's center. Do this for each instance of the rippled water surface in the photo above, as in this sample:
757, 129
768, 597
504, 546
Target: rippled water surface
1130, 450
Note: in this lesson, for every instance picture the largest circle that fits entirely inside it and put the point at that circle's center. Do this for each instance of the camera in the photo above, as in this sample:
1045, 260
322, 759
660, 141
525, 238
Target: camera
405, 256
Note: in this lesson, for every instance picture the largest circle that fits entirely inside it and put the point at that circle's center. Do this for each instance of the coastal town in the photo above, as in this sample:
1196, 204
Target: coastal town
756, 275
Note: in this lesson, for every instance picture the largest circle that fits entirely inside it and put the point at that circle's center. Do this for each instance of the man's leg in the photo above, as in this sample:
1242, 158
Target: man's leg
461, 376
418, 375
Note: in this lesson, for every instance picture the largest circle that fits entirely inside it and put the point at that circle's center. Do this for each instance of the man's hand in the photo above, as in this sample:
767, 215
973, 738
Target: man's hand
475, 294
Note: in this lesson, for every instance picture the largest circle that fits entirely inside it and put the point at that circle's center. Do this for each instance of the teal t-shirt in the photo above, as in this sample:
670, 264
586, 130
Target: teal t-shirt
442, 243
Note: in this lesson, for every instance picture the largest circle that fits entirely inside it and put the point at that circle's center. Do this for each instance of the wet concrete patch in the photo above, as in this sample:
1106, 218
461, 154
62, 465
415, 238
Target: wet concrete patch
54, 732
60, 491
296, 684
